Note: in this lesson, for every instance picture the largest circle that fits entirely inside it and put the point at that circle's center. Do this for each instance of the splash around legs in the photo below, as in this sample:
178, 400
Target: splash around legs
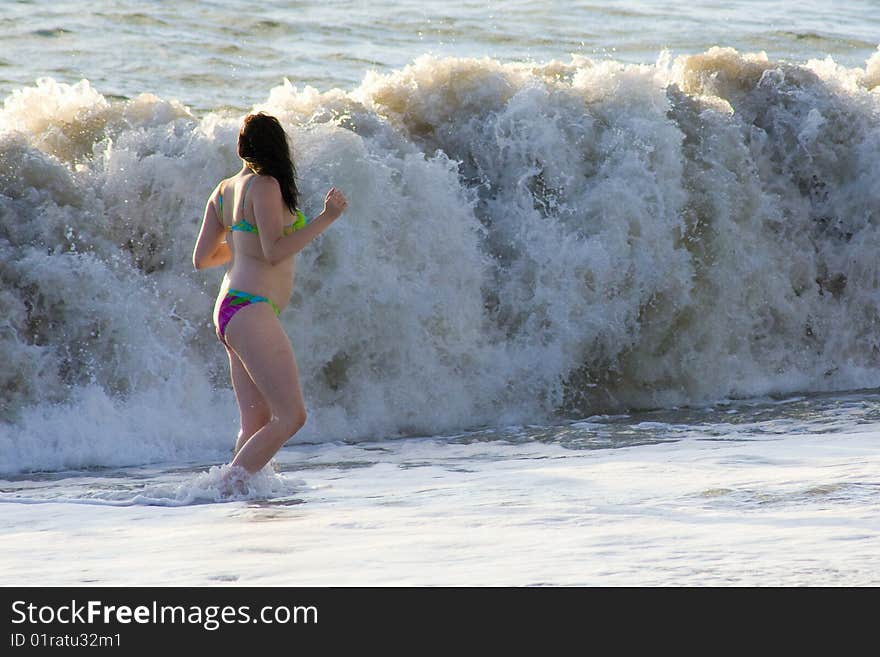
233, 482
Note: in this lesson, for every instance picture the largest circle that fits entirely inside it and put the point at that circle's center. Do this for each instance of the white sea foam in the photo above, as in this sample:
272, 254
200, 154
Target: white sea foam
744, 510
216, 484
523, 240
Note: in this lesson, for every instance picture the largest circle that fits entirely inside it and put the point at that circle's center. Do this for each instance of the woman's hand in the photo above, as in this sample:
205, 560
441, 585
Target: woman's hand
334, 204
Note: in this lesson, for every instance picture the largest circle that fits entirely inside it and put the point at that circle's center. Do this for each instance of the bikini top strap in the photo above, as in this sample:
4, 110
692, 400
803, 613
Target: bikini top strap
220, 205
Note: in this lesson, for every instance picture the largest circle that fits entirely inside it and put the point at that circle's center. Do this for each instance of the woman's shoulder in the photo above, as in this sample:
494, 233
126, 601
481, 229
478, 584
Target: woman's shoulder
264, 183
219, 188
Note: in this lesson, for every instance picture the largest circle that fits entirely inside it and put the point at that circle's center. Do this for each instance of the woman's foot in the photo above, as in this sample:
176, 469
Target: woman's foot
233, 481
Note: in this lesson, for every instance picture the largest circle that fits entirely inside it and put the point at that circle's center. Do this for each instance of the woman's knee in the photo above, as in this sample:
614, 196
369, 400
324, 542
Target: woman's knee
254, 420
292, 421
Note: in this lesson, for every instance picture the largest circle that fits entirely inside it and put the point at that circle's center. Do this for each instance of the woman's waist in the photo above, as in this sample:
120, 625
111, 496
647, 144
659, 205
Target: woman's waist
278, 291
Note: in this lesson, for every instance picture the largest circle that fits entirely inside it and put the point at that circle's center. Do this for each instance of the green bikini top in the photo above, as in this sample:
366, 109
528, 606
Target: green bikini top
244, 225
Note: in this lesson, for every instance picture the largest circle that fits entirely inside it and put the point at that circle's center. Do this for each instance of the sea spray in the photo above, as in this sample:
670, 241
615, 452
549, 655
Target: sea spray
524, 240
219, 483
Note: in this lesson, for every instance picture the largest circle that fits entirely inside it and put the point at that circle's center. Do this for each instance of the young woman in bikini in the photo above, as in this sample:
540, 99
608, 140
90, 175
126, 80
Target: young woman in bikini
252, 222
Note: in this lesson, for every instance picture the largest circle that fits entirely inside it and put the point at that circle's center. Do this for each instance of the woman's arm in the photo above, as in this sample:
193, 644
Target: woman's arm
211, 248
269, 210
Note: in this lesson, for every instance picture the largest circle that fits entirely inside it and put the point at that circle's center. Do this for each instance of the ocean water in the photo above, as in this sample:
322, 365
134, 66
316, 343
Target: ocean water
212, 55
603, 309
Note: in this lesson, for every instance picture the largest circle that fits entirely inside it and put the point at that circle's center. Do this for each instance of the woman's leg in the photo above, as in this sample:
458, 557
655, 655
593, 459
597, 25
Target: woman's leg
258, 340
252, 407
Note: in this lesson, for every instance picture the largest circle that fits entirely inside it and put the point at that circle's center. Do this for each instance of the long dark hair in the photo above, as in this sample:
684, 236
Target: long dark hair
262, 143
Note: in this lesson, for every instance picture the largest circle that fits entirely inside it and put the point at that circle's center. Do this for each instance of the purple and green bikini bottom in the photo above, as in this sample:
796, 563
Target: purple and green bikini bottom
234, 301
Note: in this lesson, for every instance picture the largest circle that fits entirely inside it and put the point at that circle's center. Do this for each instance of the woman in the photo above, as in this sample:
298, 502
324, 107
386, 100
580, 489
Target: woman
252, 221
